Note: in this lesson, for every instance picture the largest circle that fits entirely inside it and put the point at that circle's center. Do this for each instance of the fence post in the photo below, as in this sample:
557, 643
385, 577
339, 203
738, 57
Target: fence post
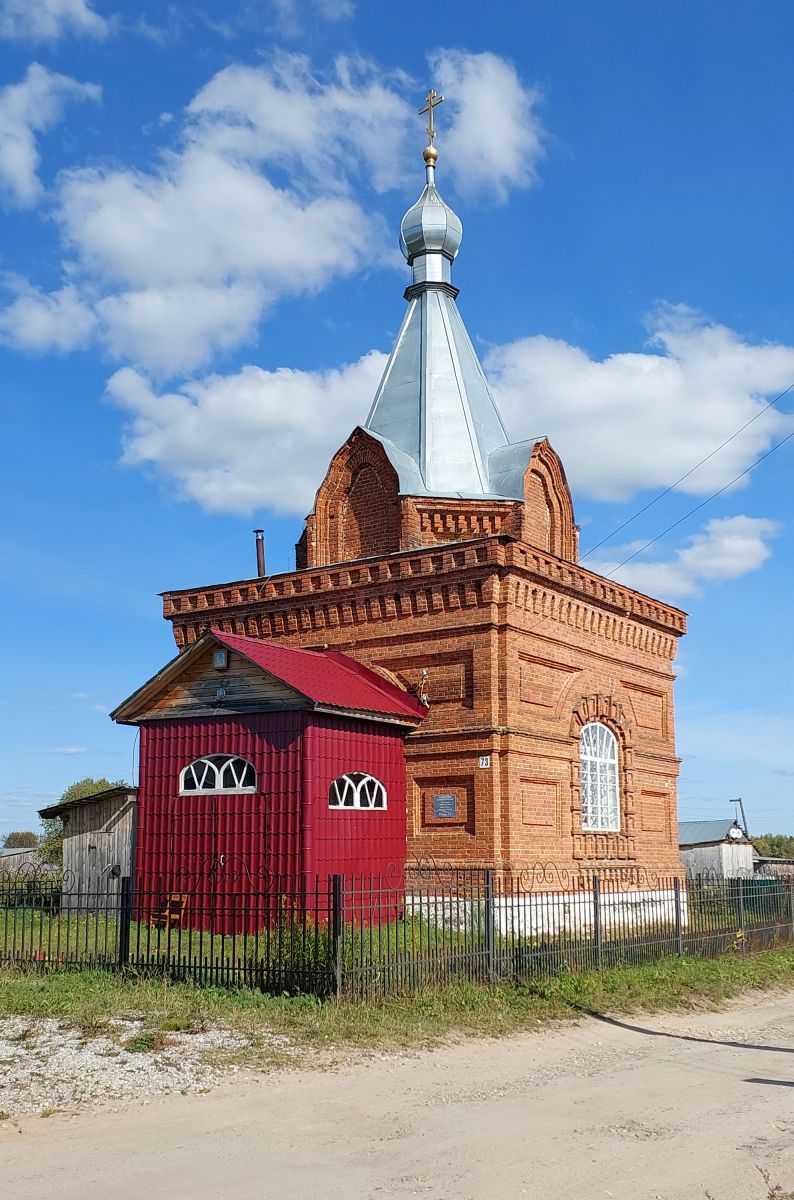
490, 964
337, 927
597, 921
743, 939
791, 904
679, 924
125, 919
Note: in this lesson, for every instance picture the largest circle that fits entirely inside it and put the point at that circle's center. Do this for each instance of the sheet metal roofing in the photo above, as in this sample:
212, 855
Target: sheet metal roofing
327, 677
433, 411
695, 833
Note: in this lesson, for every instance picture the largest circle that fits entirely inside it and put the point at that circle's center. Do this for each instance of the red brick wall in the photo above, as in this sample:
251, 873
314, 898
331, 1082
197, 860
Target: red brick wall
515, 649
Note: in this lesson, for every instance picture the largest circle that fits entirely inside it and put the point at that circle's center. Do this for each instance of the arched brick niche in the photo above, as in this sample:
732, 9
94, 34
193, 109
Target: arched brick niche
359, 512
598, 845
548, 520
357, 509
361, 516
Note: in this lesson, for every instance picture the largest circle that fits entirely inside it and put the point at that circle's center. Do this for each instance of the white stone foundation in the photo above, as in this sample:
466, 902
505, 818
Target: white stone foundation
555, 914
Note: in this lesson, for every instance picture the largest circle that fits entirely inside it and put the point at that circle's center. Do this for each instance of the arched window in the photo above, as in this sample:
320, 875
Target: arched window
356, 790
218, 773
598, 756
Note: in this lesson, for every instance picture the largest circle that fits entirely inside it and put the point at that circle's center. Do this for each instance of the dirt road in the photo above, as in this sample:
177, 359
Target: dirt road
634, 1109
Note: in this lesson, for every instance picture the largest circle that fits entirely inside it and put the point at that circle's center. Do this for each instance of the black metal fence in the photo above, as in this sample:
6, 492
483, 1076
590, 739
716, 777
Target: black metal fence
373, 936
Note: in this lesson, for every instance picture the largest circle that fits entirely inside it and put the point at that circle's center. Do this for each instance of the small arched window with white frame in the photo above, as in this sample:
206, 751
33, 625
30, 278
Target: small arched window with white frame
357, 790
226, 773
600, 791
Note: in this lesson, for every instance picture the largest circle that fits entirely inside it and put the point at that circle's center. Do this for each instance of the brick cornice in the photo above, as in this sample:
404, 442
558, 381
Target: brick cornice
603, 592
429, 580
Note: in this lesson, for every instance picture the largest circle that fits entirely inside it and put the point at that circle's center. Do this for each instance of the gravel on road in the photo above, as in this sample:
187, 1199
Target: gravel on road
47, 1067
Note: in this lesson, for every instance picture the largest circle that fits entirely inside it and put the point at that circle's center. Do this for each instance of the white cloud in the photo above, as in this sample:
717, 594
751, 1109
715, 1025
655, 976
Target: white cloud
66, 751
727, 548
335, 10
48, 20
187, 258
338, 127
40, 322
291, 15
178, 328
265, 192
249, 440
637, 421
495, 140
208, 219
193, 256
28, 108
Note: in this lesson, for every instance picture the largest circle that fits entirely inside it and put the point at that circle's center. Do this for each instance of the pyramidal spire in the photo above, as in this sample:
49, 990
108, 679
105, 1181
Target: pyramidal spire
433, 410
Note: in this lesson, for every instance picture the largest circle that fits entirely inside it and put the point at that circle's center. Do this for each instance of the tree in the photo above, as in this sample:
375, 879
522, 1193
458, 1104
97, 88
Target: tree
20, 839
774, 845
52, 836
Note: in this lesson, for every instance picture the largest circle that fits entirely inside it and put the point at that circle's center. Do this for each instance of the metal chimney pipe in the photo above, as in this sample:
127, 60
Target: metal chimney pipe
260, 552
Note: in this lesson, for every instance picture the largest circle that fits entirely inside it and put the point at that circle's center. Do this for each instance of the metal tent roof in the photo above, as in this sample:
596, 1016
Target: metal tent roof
433, 411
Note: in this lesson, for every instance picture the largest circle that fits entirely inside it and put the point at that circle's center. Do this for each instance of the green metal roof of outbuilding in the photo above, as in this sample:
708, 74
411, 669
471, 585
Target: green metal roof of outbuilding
696, 833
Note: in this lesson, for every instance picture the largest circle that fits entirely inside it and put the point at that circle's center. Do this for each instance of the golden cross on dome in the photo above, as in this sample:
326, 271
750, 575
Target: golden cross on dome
433, 99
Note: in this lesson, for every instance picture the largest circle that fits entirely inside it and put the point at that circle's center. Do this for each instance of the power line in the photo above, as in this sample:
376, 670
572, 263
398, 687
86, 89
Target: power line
686, 475
702, 504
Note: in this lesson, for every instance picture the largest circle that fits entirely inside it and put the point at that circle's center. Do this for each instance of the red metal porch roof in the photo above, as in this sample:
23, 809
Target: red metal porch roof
325, 676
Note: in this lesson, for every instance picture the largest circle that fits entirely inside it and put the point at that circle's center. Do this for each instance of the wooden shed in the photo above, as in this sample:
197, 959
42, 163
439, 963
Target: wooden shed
715, 849
20, 861
98, 844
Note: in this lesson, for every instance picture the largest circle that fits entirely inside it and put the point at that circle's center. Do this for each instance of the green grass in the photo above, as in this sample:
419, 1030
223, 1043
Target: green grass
89, 1000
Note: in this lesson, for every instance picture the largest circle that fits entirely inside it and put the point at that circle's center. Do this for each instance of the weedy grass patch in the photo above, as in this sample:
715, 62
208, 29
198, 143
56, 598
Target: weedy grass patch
90, 1000
774, 1191
148, 1041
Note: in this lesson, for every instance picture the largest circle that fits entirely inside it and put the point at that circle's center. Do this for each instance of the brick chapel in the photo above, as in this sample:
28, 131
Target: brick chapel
444, 556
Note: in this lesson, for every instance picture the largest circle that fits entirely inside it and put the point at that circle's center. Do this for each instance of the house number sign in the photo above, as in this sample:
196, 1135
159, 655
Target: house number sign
485, 760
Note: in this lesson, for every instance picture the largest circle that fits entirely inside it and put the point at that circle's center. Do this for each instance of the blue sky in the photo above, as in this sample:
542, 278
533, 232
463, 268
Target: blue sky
199, 281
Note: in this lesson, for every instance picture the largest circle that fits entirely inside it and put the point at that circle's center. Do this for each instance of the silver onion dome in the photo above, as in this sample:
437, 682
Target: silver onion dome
430, 226
433, 412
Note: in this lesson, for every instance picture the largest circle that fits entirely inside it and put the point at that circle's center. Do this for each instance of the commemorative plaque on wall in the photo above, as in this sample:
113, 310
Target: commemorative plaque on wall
445, 804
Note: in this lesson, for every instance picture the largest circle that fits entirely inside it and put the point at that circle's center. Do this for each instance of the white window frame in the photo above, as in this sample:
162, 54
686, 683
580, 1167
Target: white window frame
212, 767
356, 790
599, 779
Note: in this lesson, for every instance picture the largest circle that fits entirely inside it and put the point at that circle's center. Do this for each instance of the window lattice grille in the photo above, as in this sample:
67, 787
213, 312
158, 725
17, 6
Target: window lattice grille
598, 757
356, 790
218, 773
